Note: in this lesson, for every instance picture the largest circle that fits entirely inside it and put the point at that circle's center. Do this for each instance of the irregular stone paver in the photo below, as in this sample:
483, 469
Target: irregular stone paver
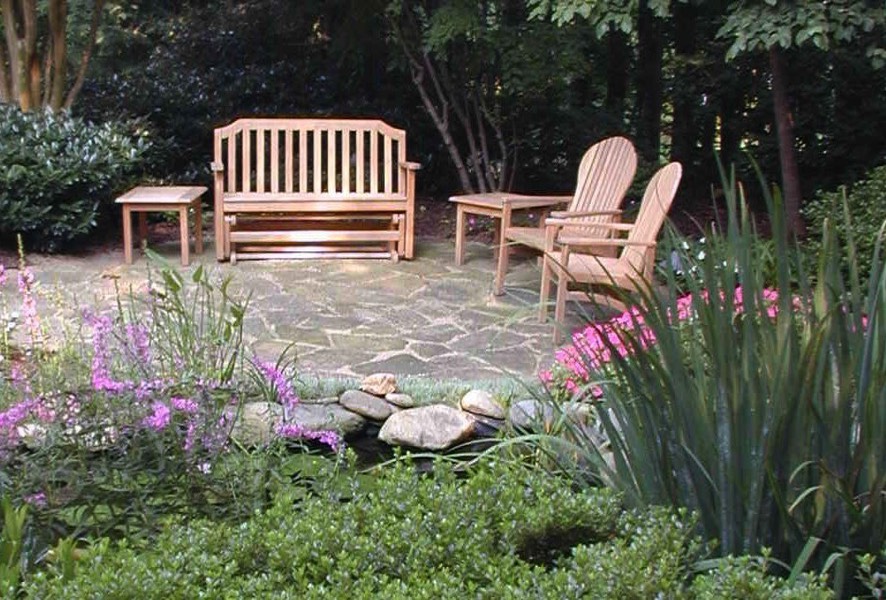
350, 317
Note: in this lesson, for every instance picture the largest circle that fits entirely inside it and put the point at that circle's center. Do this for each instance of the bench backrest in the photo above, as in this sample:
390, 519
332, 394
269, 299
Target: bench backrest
321, 159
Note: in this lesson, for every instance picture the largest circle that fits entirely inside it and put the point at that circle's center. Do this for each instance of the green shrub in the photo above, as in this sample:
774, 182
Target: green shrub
746, 577
58, 173
866, 214
407, 535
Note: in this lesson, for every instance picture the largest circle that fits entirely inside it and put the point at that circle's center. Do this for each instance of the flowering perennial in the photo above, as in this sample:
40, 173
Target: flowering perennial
280, 386
592, 348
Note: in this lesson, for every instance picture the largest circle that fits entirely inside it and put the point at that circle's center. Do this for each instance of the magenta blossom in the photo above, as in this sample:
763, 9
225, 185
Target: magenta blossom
185, 405
37, 500
280, 384
295, 431
159, 418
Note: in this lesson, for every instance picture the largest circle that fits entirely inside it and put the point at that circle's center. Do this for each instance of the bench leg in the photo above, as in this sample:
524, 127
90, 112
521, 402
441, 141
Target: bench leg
410, 235
225, 240
401, 226
393, 246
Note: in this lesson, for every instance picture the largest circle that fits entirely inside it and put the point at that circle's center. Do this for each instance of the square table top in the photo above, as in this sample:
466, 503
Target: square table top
164, 194
496, 200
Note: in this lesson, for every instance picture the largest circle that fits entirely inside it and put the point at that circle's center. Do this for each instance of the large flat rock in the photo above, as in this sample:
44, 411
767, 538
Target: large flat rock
435, 427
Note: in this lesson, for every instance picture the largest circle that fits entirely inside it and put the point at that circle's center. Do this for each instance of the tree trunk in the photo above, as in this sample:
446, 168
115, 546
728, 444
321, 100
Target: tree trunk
5, 89
683, 133
731, 110
617, 72
787, 153
26, 49
441, 122
57, 75
649, 83
97, 9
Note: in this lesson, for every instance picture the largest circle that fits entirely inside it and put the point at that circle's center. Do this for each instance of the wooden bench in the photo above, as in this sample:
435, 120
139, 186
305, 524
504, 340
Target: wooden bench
308, 188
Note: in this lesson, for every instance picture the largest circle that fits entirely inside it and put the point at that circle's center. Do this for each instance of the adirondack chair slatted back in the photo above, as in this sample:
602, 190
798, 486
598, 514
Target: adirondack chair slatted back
604, 176
656, 203
320, 159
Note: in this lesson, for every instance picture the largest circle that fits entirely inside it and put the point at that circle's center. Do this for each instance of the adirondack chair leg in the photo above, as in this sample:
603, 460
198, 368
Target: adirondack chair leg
546, 276
560, 309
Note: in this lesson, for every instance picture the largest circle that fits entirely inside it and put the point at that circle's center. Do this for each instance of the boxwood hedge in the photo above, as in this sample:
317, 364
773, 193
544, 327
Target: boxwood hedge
502, 532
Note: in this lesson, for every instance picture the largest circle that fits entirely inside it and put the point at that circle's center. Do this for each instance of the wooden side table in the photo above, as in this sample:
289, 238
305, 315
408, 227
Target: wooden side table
145, 199
492, 204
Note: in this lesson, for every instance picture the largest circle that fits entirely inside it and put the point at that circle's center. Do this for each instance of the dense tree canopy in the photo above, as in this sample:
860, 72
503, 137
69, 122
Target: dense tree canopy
496, 94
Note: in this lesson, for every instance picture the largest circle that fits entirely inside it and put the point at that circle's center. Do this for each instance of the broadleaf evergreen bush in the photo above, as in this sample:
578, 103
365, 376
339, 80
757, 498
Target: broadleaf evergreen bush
859, 221
58, 174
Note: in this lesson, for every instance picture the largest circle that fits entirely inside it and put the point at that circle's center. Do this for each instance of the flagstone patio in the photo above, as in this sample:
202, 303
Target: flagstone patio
425, 317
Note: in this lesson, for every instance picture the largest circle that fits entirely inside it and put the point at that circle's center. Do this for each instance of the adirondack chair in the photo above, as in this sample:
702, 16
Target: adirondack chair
604, 176
568, 259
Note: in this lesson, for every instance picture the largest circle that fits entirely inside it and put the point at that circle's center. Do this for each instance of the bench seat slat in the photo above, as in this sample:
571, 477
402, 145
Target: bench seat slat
318, 236
309, 207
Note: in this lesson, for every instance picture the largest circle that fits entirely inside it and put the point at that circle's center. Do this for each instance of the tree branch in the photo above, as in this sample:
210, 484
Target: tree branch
11, 31
440, 116
5, 91
28, 69
491, 179
55, 82
87, 53
464, 118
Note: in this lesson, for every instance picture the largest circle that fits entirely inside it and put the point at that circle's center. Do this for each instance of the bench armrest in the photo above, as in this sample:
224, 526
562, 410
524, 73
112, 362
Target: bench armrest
410, 166
216, 167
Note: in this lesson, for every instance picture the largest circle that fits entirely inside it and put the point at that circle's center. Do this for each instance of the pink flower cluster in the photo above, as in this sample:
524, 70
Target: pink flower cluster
29, 304
592, 347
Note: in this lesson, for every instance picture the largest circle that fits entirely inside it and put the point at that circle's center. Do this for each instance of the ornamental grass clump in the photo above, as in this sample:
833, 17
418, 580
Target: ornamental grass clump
761, 409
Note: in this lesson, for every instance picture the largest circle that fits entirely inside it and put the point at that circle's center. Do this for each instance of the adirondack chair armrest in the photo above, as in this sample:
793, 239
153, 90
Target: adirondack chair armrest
566, 214
410, 166
216, 167
578, 240
560, 223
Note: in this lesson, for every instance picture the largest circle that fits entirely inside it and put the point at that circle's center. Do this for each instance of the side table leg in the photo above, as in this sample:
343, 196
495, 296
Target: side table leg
198, 228
496, 236
498, 285
127, 234
185, 235
460, 235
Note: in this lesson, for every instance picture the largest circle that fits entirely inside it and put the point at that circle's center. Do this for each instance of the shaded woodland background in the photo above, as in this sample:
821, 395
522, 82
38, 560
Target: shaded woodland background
497, 94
